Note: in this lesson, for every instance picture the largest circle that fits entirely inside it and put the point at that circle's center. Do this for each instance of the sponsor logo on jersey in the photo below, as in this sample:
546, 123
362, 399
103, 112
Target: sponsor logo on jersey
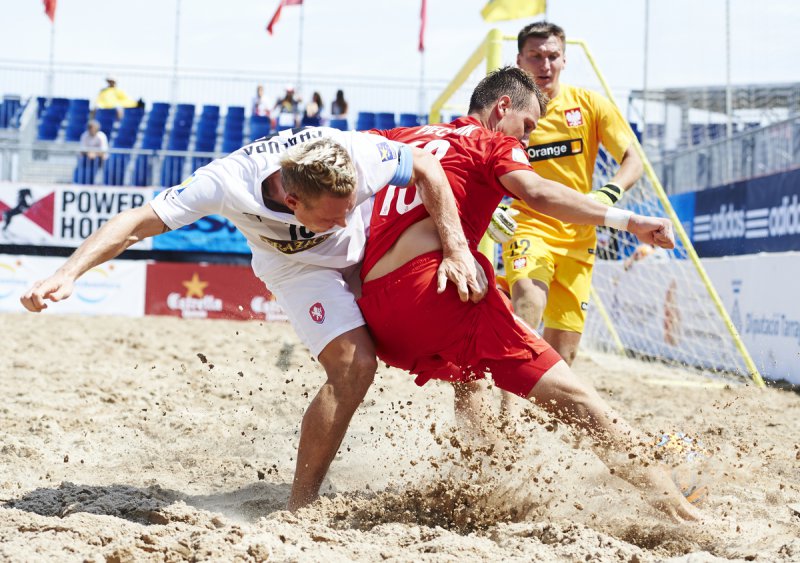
558, 149
185, 184
317, 312
574, 117
519, 263
518, 155
294, 246
387, 153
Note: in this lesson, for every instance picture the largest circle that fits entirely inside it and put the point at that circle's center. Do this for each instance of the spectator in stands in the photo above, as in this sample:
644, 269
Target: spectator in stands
260, 105
94, 151
339, 106
312, 114
94, 143
287, 110
113, 97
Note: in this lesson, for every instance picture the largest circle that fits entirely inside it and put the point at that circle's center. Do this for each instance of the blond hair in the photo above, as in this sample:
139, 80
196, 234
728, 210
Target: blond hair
318, 167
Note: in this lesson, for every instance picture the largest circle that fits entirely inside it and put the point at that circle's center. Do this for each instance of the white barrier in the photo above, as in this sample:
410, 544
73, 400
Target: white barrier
760, 293
114, 288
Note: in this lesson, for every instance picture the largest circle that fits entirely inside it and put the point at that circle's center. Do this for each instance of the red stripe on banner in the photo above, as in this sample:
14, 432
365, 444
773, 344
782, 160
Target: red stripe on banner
42, 212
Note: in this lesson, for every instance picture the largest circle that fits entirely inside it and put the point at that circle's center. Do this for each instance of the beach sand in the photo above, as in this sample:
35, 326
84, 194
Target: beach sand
160, 439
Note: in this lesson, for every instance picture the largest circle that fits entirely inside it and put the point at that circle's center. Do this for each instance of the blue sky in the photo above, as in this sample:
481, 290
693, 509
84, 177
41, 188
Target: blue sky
379, 37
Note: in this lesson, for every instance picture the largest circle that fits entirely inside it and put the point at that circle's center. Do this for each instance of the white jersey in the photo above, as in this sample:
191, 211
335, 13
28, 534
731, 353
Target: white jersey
281, 246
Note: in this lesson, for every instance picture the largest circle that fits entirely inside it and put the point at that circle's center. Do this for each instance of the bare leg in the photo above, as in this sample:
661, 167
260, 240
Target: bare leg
529, 298
474, 413
572, 401
350, 364
565, 342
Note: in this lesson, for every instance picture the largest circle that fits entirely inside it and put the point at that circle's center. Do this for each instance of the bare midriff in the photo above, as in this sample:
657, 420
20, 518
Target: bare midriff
419, 238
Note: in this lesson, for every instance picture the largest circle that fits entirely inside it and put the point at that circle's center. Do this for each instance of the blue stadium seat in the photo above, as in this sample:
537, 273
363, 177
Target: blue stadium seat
142, 171
259, 127
86, 170
365, 120
74, 130
385, 120
410, 120
106, 118
48, 128
230, 144
172, 171
114, 170
340, 124
10, 109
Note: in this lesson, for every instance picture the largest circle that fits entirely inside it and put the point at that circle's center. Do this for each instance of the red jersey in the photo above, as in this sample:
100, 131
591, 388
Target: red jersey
473, 158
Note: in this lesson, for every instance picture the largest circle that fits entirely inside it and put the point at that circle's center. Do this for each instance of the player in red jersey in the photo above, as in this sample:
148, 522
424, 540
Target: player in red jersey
430, 332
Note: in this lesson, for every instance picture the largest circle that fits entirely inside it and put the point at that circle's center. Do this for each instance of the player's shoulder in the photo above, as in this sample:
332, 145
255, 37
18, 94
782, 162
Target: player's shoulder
589, 99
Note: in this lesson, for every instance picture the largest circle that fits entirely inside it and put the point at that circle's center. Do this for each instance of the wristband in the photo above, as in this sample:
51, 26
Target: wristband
617, 218
610, 194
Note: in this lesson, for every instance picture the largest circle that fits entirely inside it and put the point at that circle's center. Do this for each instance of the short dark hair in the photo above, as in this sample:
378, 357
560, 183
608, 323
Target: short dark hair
540, 30
510, 81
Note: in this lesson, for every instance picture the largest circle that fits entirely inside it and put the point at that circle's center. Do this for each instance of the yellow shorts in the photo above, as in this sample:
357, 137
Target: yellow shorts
569, 280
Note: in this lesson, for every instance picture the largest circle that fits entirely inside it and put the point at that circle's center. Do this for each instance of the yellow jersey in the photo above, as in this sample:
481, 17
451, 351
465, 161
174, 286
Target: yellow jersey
113, 97
563, 148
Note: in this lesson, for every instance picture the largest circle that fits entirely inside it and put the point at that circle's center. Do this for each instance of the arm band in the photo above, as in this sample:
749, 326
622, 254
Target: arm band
617, 218
405, 166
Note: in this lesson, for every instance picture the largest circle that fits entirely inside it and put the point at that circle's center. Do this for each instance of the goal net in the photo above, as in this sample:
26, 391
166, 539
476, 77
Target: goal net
651, 304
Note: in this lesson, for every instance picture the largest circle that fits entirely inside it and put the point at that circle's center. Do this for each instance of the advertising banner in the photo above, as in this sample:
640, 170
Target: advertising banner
756, 215
62, 215
759, 294
114, 288
213, 291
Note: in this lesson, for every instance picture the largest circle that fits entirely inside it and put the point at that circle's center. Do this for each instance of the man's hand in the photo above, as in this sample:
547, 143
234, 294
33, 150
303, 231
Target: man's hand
652, 230
502, 226
55, 288
465, 272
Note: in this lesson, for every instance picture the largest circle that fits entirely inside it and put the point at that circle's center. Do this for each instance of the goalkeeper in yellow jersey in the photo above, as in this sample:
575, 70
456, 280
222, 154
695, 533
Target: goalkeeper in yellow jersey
548, 263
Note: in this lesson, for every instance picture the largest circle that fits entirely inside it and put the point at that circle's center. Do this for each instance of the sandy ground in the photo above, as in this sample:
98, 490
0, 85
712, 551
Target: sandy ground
163, 439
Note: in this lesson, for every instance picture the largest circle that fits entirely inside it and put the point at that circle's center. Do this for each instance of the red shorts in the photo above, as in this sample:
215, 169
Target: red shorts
437, 336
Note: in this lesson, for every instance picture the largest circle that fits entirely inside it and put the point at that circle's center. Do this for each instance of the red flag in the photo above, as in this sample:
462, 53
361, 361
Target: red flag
50, 9
277, 14
422, 18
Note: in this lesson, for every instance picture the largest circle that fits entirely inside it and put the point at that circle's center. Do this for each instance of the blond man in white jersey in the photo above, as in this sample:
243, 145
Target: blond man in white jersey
306, 246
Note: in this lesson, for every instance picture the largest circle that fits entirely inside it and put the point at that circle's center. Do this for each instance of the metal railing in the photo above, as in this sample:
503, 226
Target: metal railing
62, 163
223, 87
758, 152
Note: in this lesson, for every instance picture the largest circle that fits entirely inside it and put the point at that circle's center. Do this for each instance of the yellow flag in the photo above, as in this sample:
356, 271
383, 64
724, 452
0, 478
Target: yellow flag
497, 10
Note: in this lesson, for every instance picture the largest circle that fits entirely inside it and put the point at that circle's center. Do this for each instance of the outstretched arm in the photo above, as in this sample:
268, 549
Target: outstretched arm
109, 241
458, 265
565, 204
